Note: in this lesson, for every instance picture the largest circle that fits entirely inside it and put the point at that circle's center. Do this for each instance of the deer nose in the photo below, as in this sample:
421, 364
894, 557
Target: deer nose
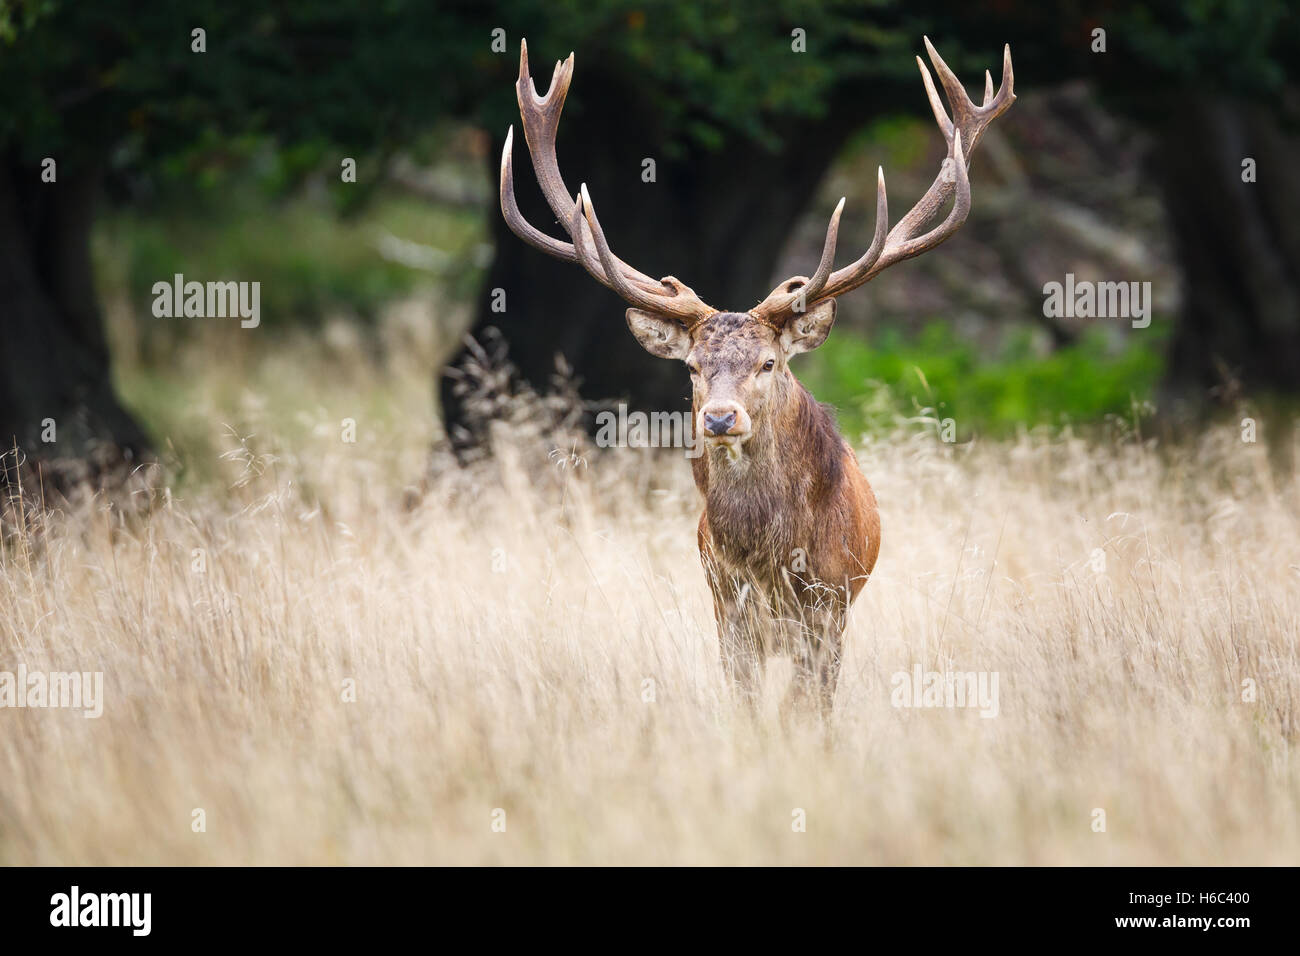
719, 424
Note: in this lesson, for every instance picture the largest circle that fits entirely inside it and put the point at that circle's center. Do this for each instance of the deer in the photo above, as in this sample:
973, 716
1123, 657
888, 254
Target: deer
790, 530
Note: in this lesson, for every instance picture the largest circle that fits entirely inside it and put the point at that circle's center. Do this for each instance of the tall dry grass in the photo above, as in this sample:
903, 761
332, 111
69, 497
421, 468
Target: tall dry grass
537, 637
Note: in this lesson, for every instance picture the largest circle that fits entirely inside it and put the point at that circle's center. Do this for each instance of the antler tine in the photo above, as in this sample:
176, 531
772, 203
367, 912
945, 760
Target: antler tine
962, 132
968, 117
827, 261
778, 303
685, 307
515, 220
936, 104
781, 299
589, 261
541, 119
878, 238
896, 250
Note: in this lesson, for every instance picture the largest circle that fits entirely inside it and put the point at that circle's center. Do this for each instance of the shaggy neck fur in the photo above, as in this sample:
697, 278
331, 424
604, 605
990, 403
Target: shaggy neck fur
760, 504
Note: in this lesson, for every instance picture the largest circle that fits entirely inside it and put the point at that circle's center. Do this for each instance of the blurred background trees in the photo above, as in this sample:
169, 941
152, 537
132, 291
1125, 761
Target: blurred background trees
1122, 165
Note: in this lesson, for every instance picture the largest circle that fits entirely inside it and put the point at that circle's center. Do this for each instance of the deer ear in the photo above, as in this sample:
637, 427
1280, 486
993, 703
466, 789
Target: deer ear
807, 330
659, 334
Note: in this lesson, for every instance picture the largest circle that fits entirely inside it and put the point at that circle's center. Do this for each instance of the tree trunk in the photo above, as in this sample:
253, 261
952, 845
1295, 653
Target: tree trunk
1239, 249
56, 396
715, 219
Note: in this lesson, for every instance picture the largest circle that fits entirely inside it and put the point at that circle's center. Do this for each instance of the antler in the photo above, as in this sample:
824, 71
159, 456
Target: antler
541, 120
963, 134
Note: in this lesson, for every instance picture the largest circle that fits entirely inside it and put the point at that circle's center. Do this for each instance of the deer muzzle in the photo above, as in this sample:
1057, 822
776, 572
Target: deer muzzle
723, 422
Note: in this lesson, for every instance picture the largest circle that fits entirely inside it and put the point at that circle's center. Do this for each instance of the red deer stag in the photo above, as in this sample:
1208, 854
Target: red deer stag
790, 530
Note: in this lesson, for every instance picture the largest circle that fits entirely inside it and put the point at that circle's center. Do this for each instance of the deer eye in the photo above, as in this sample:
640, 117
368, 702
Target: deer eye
692, 368
769, 365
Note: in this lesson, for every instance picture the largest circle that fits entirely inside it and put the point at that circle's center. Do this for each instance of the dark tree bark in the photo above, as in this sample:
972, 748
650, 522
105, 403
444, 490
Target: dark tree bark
1239, 248
715, 219
54, 363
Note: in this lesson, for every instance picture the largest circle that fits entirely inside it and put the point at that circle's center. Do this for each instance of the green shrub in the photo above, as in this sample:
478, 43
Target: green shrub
936, 373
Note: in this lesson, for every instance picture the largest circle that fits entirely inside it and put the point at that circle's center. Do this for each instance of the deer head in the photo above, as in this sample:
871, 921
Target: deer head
738, 360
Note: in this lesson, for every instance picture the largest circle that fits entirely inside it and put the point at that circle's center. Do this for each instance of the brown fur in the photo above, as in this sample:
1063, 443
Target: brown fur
790, 530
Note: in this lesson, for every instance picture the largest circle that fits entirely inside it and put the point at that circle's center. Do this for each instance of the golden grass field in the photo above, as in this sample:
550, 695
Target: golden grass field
500, 636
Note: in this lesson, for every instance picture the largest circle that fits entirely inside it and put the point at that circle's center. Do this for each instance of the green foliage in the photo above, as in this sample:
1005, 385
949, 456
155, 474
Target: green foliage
120, 78
938, 375
308, 261
202, 143
1241, 46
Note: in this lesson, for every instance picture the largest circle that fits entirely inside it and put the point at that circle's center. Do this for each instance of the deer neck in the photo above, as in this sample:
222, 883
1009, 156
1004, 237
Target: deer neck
761, 500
